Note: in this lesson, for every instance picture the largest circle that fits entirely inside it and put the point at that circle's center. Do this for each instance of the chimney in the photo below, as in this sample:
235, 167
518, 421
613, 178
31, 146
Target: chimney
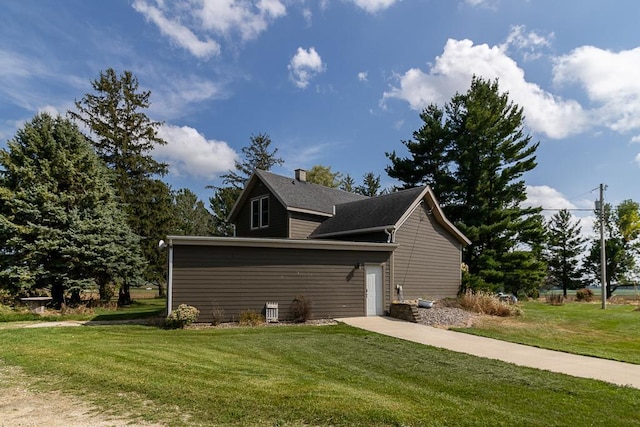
301, 175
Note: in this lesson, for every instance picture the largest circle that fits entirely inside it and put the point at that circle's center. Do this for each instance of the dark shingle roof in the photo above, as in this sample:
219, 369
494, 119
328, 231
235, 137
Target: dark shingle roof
305, 195
375, 212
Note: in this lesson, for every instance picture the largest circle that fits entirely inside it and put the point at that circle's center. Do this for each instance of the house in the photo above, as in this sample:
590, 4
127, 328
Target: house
350, 254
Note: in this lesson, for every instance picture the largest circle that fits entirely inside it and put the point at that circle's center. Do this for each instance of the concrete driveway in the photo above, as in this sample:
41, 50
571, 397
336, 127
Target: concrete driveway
624, 374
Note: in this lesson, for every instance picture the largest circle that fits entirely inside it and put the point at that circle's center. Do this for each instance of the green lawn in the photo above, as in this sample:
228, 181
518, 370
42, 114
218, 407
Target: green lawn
581, 328
302, 375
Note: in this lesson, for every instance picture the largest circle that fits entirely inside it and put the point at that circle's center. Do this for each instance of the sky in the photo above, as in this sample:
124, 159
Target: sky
341, 82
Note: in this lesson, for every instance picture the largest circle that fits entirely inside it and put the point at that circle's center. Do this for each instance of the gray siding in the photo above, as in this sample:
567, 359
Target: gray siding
244, 278
427, 262
301, 225
278, 226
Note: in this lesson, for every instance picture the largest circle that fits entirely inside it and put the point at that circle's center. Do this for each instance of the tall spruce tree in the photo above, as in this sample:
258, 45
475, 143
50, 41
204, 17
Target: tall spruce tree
258, 155
63, 227
124, 136
474, 153
565, 245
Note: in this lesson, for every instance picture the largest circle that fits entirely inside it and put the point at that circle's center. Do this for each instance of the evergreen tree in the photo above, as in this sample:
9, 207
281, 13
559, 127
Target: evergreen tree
370, 185
191, 217
474, 153
123, 137
347, 184
62, 223
564, 247
257, 155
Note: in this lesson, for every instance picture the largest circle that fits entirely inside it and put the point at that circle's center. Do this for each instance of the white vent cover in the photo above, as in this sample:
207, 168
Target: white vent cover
271, 312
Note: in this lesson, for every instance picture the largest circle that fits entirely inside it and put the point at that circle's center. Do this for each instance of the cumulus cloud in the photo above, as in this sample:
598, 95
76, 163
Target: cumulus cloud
373, 6
610, 80
188, 152
362, 76
196, 25
304, 66
461, 59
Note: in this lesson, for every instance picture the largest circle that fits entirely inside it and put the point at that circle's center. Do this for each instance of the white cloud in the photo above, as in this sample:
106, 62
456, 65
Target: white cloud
304, 66
362, 76
373, 6
188, 152
638, 159
529, 43
461, 59
177, 32
610, 80
175, 96
195, 25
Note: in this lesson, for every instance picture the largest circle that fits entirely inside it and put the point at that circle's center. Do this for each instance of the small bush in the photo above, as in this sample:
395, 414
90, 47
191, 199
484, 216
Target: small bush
553, 298
182, 316
217, 315
486, 303
300, 309
584, 294
251, 318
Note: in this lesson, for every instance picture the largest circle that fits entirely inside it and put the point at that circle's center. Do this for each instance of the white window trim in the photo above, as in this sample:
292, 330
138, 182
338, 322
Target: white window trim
260, 201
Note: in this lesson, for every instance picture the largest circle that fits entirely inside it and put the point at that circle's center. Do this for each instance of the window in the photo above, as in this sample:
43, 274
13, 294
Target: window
260, 212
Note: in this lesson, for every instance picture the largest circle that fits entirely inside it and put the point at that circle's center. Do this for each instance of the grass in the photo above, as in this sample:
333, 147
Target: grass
302, 375
141, 308
579, 328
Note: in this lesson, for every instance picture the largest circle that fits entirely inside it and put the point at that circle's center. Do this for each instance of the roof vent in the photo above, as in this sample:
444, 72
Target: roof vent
301, 175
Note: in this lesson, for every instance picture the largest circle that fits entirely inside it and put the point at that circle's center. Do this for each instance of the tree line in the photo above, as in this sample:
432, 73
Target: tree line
81, 209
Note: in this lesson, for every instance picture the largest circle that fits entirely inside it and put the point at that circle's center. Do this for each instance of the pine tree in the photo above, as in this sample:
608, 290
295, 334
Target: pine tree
62, 223
370, 185
257, 155
123, 137
564, 246
190, 216
474, 153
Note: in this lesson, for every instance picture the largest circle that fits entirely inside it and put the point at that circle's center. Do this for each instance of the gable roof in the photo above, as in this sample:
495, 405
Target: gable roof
384, 213
295, 195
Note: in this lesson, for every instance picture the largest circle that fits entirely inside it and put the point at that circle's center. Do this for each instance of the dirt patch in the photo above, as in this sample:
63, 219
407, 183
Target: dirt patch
22, 406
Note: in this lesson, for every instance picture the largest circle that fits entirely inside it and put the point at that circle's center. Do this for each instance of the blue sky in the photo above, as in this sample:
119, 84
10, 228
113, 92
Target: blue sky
341, 82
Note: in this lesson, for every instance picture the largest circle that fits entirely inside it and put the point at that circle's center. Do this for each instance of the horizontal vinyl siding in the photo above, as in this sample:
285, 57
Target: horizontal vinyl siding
245, 278
301, 225
427, 261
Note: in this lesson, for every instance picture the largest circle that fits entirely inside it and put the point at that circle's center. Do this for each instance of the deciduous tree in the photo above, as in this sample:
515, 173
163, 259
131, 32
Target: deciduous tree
322, 175
190, 216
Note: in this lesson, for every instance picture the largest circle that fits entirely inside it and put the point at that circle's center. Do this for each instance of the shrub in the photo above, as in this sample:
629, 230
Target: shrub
182, 316
584, 294
486, 303
300, 309
251, 318
217, 315
553, 298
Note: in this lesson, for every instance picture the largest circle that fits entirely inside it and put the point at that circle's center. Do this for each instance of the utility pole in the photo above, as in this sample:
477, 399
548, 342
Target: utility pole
603, 253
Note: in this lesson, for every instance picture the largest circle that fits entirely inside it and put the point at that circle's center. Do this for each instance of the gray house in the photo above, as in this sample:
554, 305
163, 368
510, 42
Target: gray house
350, 254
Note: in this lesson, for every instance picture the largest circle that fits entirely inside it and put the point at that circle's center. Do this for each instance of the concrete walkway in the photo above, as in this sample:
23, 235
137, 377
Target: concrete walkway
624, 374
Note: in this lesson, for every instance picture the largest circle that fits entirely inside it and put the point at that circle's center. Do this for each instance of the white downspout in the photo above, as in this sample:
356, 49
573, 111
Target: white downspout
170, 279
391, 237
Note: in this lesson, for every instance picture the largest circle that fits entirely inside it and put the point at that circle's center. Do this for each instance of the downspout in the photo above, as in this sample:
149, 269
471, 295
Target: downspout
391, 237
170, 279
